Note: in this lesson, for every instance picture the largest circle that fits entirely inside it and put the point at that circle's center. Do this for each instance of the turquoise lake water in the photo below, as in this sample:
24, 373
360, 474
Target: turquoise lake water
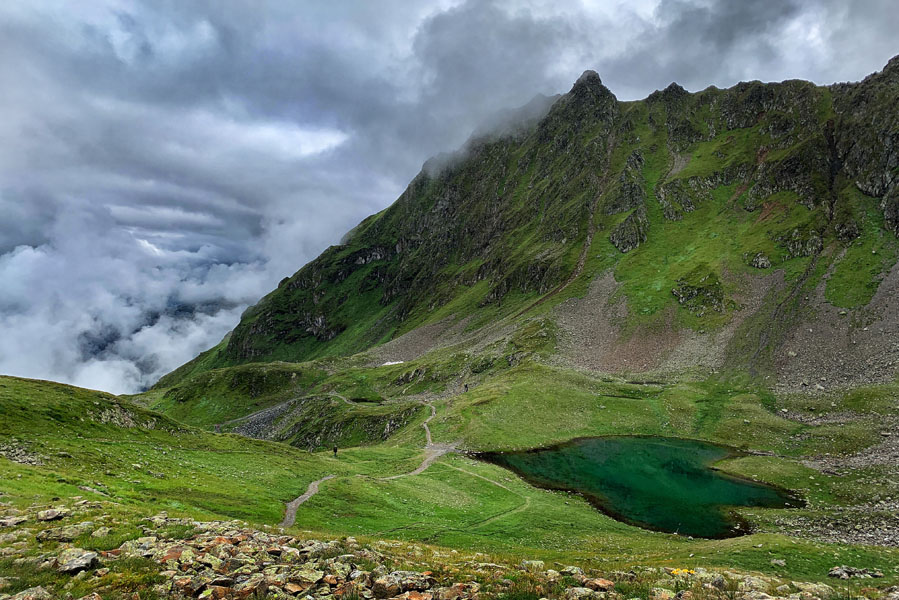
664, 484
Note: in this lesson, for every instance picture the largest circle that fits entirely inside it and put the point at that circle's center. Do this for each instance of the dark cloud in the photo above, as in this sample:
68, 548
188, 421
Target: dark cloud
165, 163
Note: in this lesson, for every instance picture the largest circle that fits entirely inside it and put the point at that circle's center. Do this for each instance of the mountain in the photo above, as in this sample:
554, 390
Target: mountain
606, 350
734, 228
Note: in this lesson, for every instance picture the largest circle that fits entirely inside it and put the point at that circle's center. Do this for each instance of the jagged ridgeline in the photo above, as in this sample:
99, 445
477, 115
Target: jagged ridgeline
784, 171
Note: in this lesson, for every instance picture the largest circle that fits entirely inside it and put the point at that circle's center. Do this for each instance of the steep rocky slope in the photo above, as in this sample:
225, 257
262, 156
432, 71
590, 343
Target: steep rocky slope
688, 200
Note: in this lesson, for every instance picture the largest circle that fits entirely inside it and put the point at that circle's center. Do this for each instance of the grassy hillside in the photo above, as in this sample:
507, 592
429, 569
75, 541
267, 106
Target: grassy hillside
93, 445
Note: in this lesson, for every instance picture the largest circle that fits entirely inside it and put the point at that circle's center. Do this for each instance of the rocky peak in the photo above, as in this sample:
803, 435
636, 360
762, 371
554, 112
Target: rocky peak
892, 66
671, 93
589, 84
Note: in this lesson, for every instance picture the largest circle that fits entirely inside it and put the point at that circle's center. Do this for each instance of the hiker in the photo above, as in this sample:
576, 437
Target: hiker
335, 451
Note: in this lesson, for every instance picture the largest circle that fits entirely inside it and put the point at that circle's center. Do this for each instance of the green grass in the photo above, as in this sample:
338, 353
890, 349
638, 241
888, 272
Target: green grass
458, 502
220, 395
857, 275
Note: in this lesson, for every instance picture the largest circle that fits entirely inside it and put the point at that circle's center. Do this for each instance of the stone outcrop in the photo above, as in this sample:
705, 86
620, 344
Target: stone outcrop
632, 231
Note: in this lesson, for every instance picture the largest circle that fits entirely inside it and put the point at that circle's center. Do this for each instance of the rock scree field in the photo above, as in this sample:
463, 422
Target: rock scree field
688, 301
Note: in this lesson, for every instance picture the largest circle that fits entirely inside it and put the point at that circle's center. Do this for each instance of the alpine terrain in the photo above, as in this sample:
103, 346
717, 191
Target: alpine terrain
606, 350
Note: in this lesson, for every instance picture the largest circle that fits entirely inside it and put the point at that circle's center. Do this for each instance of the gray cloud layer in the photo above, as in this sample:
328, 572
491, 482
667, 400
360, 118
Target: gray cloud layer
163, 164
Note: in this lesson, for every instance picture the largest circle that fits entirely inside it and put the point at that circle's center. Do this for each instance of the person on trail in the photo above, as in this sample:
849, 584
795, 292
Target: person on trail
335, 451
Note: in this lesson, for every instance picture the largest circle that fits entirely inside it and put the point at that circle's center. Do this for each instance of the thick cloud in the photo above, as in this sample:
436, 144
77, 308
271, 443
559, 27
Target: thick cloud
164, 163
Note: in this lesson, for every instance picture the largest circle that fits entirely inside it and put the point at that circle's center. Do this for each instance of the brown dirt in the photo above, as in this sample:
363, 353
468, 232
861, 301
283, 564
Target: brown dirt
445, 333
290, 513
432, 451
592, 336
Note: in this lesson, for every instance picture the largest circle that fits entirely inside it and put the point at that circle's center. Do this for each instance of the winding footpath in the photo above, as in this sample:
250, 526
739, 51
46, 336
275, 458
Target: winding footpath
290, 515
432, 451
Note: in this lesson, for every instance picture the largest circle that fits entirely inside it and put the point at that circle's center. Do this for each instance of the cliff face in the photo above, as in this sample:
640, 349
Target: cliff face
786, 171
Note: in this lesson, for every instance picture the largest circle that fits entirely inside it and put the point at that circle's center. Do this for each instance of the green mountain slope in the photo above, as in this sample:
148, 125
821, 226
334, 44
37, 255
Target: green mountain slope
683, 196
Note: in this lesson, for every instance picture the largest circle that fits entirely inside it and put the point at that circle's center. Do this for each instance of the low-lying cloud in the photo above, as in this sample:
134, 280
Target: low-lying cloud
163, 164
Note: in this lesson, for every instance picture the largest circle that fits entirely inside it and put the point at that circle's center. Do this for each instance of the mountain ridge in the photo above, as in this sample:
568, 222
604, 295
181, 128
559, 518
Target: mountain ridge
488, 234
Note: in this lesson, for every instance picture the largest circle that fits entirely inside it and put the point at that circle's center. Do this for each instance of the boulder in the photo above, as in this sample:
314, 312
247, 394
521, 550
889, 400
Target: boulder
386, 586
52, 514
75, 560
35, 593
305, 574
818, 590
414, 581
255, 584
458, 591
579, 593
12, 521
143, 547
64, 534
533, 566
214, 592
600, 585
658, 593
844, 572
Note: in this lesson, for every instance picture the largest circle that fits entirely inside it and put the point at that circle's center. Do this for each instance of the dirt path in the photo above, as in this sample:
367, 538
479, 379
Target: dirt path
432, 451
290, 515
344, 398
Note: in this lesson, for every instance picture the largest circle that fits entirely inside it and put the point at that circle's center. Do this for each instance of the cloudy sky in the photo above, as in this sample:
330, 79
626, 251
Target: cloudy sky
164, 163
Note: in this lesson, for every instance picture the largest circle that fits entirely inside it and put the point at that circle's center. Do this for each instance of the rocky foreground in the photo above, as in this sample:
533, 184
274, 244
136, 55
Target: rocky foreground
185, 558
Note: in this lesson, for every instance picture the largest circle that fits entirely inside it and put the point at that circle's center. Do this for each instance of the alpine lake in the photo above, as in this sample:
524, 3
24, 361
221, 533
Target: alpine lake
663, 484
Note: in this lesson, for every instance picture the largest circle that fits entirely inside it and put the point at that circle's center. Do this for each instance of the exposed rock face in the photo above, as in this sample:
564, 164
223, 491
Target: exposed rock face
631, 189
760, 261
867, 136
700, 291
631, 232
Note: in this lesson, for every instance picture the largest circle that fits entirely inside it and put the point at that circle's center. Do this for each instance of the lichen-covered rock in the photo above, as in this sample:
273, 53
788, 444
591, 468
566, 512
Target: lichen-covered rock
34, 593
75, 560
12, 521
533, 566
760, 261
580, 593
65, 534
844, 572
52, 514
